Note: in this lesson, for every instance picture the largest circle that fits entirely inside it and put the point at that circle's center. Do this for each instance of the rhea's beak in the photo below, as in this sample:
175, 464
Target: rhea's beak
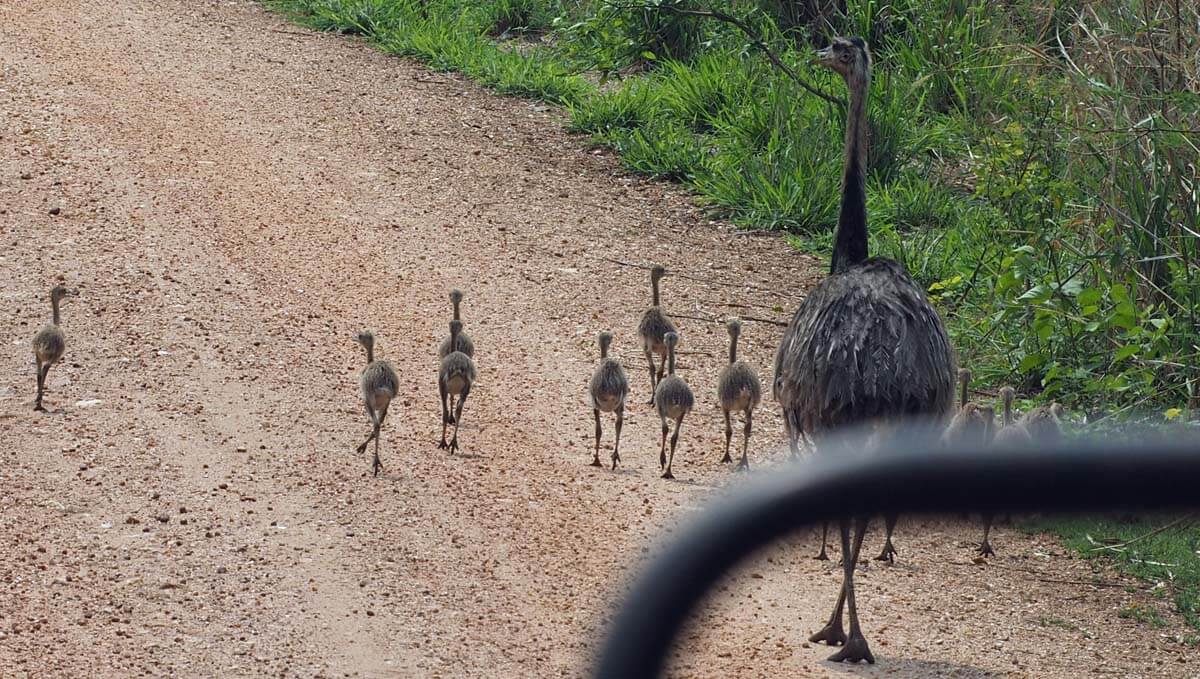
822, 57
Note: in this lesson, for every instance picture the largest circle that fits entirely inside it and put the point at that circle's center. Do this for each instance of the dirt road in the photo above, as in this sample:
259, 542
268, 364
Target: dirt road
234, 197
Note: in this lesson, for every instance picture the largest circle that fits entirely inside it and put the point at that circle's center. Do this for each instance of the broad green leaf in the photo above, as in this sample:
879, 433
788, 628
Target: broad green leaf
1031, 361
1089, 296
1125, 352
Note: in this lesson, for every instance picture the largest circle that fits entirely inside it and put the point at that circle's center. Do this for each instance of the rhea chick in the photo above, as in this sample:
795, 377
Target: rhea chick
1040, 426
608, 389
379, 384
673, 399
49, 344
653, 330
455, 377
970, 427
738, 389
464, 343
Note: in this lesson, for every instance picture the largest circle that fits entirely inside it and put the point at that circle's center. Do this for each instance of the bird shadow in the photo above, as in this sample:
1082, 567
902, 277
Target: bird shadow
914, 667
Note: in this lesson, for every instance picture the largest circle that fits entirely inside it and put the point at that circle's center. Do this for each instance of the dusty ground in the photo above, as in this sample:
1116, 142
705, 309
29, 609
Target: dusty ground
235, 197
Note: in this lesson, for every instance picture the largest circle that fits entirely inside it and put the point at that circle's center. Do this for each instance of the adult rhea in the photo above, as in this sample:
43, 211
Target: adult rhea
865, 347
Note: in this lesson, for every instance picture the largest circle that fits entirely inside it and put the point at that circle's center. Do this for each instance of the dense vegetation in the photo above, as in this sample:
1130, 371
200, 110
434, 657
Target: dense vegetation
1034, 162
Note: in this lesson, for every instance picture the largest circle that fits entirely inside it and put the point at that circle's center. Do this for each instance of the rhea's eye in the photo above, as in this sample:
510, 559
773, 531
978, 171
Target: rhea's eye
847, 57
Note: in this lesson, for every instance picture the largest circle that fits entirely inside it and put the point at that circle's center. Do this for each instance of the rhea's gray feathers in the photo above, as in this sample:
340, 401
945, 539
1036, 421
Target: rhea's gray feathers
864, 345
1043, 424
379, 377
673, 395
49, 344
609, 387
1013, 436
464, 344
738, 387
654, 326
457, 365
969, 428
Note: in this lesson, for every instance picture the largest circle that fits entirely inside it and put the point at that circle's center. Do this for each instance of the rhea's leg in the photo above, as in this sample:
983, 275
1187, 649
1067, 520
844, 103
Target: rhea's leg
744, 465
985, 547
445, 414
834, 632
616, 456
674, 439
889, 551
374, 430
662, 448
596, 455
650, 364
41, 384
856, 649
822, 556
728, 435
376, 465
462, 398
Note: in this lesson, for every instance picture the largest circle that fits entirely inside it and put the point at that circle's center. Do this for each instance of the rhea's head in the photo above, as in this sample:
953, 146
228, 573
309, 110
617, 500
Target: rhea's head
848, 56
734, 326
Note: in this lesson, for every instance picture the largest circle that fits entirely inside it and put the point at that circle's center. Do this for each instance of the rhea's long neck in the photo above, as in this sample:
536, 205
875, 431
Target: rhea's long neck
733, 339
54, 309
370, 347
670, 360
850, 242
456, 312
654, 292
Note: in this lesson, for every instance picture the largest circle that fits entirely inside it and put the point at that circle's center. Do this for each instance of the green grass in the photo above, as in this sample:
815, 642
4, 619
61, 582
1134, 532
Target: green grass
1167, 561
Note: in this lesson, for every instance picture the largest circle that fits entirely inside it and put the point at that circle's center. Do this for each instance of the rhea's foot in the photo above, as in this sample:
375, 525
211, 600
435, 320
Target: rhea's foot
855, 650
822, 556
726, 459
454, 445
443, 445
376, 467
596, 461
888, 554
38, 407
668, 475
985, 549
742, 466
831, 634
615, 459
